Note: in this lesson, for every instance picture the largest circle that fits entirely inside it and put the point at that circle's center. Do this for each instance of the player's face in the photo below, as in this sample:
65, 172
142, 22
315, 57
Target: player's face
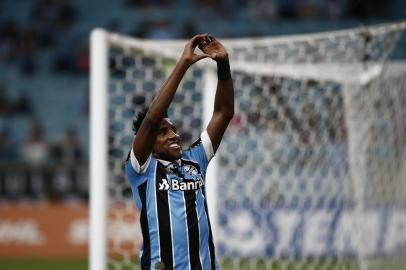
167, 144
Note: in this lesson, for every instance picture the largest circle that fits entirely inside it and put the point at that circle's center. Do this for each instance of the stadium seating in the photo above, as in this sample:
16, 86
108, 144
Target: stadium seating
59, 95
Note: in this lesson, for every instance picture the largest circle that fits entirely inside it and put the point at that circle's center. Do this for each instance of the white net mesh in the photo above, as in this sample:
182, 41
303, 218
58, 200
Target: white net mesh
311, 169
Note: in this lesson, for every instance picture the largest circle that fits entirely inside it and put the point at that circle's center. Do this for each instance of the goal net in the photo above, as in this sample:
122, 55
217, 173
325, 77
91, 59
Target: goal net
311, 173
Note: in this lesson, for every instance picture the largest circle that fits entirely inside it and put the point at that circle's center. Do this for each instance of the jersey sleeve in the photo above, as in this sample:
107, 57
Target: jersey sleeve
201, 151
137, 174
136, 165
207, 145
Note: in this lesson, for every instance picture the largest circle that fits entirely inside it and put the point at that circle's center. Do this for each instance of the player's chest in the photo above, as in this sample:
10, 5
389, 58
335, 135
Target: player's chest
184, 177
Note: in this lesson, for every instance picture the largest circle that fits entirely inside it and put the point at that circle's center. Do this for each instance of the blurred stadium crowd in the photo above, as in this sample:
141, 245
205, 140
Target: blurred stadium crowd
44, 66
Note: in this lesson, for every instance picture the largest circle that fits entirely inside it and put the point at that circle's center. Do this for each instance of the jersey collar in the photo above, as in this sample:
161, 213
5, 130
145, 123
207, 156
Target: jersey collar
166, 163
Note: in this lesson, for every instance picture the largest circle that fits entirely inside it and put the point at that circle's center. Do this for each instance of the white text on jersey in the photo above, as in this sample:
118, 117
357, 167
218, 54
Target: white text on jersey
180, 186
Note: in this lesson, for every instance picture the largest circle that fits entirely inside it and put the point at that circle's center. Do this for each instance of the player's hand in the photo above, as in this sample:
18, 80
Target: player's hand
189, 55
214, 48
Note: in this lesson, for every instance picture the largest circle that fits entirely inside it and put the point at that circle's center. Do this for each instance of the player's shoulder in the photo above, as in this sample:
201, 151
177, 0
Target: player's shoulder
193, 148
202, 148
193, 153
195, 144
134, 171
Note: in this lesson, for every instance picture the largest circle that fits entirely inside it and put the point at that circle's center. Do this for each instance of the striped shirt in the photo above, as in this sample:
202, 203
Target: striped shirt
174, 218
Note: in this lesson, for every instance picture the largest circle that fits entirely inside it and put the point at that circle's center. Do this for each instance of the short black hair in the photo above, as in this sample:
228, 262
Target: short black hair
137, 123
140, 117
138, 120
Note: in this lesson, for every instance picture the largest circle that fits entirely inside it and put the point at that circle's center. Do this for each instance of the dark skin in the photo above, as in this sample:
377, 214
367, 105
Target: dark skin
156, 133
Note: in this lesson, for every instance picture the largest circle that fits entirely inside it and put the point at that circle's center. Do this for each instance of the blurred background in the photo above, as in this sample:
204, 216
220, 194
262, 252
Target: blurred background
44, 98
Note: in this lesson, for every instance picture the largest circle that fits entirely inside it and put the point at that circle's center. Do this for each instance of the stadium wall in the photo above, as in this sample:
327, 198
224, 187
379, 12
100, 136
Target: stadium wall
59, 231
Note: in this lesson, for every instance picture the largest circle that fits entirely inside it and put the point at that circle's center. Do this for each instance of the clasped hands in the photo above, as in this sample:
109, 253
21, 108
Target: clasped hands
210, 47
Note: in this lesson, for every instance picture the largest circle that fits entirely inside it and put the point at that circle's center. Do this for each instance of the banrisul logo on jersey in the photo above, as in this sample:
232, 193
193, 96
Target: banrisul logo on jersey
179, 184
163, 185
190, 179
186, 177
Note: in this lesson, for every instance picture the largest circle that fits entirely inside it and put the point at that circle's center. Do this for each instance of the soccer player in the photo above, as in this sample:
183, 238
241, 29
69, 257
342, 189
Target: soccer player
168, 183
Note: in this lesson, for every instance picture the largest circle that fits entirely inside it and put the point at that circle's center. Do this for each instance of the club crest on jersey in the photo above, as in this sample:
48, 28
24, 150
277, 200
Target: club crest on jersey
177, 185
191, 170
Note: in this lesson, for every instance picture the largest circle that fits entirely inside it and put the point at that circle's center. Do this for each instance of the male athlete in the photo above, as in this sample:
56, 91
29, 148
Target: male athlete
168, 182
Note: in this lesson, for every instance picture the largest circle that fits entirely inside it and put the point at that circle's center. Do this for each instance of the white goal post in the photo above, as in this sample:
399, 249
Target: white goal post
98, 151
319, 121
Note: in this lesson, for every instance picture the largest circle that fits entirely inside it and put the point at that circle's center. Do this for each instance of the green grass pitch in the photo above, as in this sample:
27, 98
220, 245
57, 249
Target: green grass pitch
244, 264
43, 264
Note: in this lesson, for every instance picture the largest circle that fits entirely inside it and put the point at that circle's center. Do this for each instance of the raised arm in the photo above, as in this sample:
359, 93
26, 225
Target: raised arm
148, 131
224, 99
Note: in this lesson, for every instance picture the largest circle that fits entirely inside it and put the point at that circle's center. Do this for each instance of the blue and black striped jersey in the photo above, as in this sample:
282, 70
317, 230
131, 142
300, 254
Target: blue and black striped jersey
174, 218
